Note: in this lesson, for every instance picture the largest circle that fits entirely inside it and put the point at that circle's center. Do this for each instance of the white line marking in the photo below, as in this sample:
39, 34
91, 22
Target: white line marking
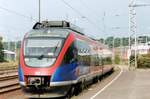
107, 85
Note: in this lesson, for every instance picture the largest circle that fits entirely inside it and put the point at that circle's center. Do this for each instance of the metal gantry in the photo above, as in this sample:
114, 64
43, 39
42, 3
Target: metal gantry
133, 29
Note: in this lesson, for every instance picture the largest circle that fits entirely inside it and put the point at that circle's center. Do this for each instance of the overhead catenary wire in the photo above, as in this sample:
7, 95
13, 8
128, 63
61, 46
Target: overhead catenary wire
17, 13
10, 28
72, 8
81, 15
92, 11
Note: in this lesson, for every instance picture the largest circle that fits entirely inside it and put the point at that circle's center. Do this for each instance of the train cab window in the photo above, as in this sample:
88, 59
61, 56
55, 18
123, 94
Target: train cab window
71, 54
41, 52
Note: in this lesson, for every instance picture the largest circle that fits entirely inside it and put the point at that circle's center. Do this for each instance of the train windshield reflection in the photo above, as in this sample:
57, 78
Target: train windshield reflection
41, 51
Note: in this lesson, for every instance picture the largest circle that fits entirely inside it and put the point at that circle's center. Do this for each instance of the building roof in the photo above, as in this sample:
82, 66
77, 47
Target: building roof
9, 52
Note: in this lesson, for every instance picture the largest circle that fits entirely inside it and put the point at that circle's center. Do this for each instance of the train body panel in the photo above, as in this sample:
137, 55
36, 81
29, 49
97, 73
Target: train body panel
54, 59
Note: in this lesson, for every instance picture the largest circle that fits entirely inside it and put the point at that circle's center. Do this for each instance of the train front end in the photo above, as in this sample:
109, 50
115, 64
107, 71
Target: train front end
41, 70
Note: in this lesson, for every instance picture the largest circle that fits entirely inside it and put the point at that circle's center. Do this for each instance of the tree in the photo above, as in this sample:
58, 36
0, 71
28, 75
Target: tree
1, 52
117, 59
109, 41
125, 41
148, 39
117, 42
101, 40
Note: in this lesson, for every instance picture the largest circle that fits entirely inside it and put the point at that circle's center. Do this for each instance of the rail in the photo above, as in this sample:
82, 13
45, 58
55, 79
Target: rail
4, 78
9, 87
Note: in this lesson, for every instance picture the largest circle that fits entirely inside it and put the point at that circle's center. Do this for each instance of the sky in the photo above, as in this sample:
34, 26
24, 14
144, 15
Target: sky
98, 18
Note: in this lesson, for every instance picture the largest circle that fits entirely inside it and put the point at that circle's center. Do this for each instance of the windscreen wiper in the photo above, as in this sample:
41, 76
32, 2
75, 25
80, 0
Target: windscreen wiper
56, 48
42, 55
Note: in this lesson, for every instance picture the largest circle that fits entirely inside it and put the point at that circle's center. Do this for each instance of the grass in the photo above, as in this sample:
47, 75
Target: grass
8, 65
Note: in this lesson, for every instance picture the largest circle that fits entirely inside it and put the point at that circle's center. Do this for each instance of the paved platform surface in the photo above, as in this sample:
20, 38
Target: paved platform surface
129, 85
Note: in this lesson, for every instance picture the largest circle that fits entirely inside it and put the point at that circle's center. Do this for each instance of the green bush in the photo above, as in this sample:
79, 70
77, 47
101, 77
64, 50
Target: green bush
143, 61
117, 59
1, 52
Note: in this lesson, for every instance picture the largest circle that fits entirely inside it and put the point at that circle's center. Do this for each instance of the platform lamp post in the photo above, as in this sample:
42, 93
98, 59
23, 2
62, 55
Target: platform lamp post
133, 28
113, 50
116, 28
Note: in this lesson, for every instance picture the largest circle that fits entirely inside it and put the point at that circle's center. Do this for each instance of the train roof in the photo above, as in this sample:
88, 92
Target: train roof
53, 28
49, 32
58, 24
56, 29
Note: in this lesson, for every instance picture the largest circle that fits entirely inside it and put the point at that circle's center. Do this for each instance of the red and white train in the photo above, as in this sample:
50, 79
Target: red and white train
56, 59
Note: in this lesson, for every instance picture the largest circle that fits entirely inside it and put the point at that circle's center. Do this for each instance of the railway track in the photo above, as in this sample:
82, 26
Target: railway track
7, 71
9, 83
2, 68
9, 77
9, 87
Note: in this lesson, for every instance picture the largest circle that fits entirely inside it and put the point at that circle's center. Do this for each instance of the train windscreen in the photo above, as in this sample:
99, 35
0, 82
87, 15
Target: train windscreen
41, 52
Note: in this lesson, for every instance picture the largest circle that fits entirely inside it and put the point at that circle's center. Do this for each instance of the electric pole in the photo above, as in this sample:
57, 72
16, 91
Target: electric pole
39, 10
103, 22
133, 31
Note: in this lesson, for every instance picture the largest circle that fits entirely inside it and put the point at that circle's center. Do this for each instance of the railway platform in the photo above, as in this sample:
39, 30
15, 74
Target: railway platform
126, 85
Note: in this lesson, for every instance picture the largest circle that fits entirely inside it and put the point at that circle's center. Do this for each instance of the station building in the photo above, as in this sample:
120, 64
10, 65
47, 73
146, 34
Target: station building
9, 55
141, 49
